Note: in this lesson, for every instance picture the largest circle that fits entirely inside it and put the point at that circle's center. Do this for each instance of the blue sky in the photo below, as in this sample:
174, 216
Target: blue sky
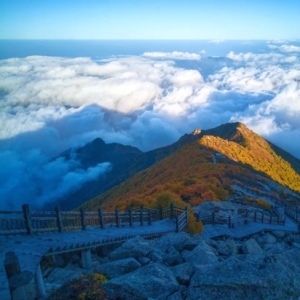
149, 19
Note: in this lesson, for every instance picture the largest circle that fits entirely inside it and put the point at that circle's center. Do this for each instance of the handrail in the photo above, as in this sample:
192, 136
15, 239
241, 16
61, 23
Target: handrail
26, 221
247, 215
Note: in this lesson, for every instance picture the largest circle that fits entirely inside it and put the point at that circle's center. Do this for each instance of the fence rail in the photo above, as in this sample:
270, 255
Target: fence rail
243, 217
26, 221
293, 214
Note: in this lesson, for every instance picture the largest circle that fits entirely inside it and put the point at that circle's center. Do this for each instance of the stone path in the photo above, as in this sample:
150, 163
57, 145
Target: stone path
31, 248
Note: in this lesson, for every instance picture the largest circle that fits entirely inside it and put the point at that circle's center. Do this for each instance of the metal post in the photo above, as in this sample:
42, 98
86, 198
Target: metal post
26, 214
86, 259
101, 217
130, 217
141, 215
149, 216
160, 213
213, 218
117, 217
83, 221
40, 282
171, 210
58, 219
255, 216
177, 224
186, 214
229, 221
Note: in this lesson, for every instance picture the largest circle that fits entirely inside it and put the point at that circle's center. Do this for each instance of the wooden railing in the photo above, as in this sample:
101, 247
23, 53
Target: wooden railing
293, 214
26, 221
243, 218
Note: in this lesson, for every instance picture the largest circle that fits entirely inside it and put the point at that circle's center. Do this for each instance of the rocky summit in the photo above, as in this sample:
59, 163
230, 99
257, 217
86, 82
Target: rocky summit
179, 266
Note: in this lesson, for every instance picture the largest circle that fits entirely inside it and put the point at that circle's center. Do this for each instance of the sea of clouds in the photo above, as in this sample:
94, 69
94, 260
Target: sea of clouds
49, 104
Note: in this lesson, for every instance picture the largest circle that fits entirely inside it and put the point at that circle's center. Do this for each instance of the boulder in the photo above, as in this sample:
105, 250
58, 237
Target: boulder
226, 247
118, 267
176, 240
203, 254
266, 238
274, 277
251, 247
175, 296
152, 281
279, 234
173, 257
135, 247
144, 260
192, 243
156, 255
60, 275
183, 273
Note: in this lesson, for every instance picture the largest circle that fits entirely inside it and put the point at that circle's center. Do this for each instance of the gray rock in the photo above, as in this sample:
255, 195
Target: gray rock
60, 275
251, 247
144, 260
183, 273
135, 247
227, 247
203, 254
277, 248
279, 234
273, 277
173, 257
266, 238
75, 259
175, 296
156, 255
192, 243
176, 240
151, 281
118, 267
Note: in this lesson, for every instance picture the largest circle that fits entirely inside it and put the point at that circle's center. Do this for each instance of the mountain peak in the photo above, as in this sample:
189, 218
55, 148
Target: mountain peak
197, 131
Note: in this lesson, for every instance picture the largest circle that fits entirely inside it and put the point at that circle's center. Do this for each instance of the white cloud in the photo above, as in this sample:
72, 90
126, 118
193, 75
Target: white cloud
48, 104
173, 55
285, 48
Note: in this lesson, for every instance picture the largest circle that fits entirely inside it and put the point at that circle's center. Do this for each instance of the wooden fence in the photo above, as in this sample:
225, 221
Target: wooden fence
242, 218
293, 214
29, 222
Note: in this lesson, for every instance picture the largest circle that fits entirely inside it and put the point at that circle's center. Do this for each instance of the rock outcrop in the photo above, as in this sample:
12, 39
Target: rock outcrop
180, 266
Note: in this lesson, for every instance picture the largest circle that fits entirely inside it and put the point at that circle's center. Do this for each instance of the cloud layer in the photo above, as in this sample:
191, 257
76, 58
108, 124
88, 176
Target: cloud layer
49, 104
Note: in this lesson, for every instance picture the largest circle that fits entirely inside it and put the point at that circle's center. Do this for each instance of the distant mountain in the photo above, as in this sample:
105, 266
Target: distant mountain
207, 165
125, 160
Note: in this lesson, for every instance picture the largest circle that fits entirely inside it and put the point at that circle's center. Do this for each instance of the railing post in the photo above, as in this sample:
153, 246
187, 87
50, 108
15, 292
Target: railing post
117, 217
262, 217
213, 218
177, 224
160, 213
26, 214
58, 219
229, 221
255, 216
130, 217
171, 210
246, 213
186, 214
149, 216
83, 221
284, 221
141, 215
40, 282
101, 217
271, 217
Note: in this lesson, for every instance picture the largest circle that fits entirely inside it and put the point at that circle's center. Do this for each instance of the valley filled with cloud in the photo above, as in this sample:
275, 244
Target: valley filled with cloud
49, 104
